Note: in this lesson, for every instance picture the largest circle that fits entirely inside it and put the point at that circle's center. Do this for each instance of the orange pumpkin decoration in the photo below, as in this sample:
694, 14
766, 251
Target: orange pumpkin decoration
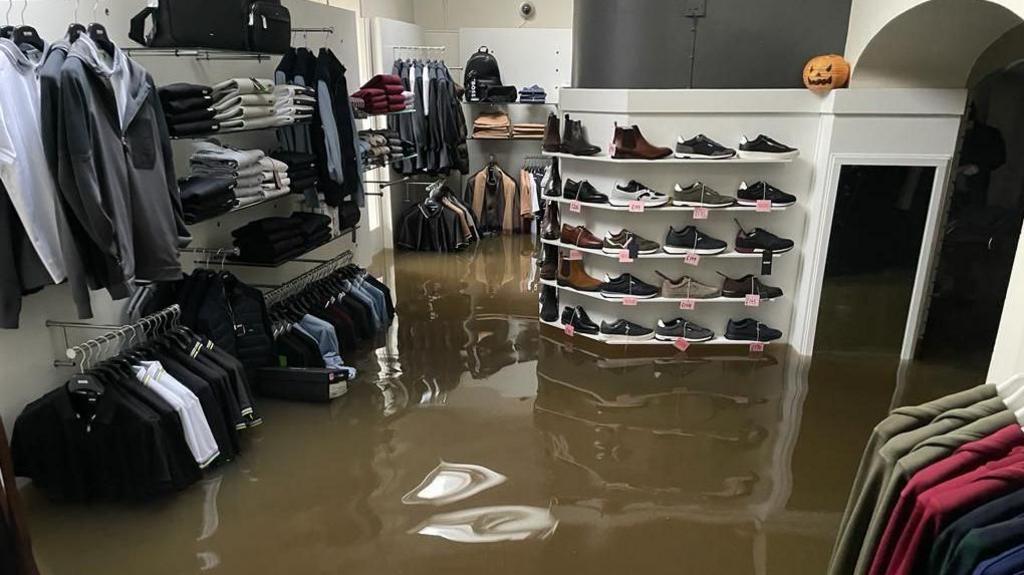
824, 73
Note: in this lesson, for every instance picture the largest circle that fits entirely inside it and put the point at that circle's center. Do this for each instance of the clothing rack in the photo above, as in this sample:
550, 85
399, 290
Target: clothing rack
396, 49
324, 30
200, 55
165, 317
299, 282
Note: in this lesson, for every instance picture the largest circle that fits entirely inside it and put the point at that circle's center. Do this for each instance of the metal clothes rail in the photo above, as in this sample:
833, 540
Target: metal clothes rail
299, 282
166, 317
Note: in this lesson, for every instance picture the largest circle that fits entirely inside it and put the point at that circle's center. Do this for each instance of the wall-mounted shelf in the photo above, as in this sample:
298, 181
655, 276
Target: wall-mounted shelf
665, 208
238, 131
530, 139
670, 160
297, 259
611, 340
661, 300
660, 255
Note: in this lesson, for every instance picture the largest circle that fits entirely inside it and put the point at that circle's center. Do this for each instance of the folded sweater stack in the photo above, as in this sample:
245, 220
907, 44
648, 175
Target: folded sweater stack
302, 170
492, 126
188, 109
245, 168
384, 93
294, 104
374, 147
206, 197
528, 131
275, 240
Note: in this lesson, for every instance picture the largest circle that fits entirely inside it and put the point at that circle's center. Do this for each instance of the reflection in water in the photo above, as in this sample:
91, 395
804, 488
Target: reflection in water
453, 482
655, 465
491, 524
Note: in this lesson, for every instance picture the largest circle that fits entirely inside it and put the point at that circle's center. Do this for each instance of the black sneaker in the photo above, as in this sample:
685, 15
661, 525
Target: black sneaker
579, 320
748, 285
765, 148
690, 239
702, 148
583, 192
625, 330
627, 285
615, 243
749, 195
759, 241
680, 328
750, 330
548, 304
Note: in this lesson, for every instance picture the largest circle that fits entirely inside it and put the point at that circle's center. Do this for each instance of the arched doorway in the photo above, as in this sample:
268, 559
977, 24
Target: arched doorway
966, 305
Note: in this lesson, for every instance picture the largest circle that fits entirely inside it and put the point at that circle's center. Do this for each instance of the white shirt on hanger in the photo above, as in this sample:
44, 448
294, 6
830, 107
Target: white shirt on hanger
197, 429
426, 88
23, 168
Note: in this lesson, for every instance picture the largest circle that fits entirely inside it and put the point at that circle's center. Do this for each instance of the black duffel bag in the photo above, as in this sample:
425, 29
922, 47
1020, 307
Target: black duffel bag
253, 25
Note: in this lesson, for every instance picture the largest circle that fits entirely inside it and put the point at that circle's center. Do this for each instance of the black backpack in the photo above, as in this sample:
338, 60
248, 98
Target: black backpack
481, 70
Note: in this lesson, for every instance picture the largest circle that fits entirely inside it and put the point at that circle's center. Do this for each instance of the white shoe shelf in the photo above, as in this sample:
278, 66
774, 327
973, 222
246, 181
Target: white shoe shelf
663, 300
657, 256
666, 208
613, 340
671, 160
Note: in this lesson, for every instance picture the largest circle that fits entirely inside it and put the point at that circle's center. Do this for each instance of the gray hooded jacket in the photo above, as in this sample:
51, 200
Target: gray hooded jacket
116, 172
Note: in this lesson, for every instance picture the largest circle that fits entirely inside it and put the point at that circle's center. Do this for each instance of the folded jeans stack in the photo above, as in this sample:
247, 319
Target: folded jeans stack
533, 95
275, 240
294, 104
188, 109
382, 94
302, 170
492, 126
528, 131
243, 167
206, 197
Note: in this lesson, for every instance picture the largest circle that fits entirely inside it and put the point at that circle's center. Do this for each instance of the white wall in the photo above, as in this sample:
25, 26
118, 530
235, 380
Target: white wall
441, 19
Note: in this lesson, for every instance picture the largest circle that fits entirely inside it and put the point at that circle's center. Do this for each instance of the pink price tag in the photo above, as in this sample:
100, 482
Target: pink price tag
688, 304
570, 330
692, 258
763, 206
756, 347
636, 207
624, 257
575, 255
700, 213
575, 206
611, 150
752, 300
681, 344
629, 300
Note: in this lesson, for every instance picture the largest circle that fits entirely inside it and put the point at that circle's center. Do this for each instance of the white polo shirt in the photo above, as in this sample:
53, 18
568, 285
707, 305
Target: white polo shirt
23, 167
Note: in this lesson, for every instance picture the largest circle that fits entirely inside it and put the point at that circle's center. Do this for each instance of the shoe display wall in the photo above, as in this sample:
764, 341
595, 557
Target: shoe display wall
699, 242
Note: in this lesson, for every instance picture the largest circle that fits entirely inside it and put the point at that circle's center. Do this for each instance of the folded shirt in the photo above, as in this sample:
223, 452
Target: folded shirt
244, 124
205, 189
232, 100
210, 153
291, 90
194, 128
181, 90
198, 115
243, 112
244, 86
187, 104
381, 81
302, 112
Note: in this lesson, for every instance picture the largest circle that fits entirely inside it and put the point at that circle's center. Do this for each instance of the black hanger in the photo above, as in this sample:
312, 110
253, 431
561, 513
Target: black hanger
76, 30
28, 35
86, 385
7, 32
98, 33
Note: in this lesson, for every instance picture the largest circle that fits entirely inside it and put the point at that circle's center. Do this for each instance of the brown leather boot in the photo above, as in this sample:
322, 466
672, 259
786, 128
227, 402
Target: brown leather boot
580, 236
552, 138
549, 265
631, 144
550, 230
572, 274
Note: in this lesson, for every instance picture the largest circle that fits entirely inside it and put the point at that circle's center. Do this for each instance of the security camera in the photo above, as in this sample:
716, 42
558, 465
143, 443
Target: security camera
527, 10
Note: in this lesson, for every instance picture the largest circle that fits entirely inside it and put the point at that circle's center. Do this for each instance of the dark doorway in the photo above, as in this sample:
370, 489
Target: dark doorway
983, 224
873, 254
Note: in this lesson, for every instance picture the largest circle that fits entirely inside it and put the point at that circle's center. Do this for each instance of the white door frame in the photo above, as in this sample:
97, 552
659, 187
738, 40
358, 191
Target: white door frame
820, 234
